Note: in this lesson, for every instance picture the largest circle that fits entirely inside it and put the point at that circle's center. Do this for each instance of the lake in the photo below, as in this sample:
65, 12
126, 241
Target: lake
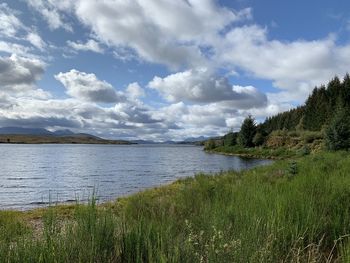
35, 175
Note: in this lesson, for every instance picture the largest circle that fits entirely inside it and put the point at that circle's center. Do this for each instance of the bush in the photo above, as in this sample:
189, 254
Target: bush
305, 150
258, 139
209, 145
230, 139
282, 133
310, 136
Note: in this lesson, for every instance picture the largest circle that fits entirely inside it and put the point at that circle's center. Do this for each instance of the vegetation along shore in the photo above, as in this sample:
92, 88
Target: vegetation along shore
322, 123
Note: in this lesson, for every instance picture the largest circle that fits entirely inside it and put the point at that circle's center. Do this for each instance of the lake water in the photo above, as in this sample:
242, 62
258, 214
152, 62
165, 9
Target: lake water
34, 175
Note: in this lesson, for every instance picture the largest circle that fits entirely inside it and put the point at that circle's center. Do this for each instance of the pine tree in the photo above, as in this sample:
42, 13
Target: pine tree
338, 132
345, 94
247, 132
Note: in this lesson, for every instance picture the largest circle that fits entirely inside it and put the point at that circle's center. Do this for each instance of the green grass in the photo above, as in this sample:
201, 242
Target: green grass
292, 211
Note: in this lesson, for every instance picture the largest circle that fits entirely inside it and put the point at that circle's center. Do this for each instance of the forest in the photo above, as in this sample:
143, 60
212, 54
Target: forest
322, 122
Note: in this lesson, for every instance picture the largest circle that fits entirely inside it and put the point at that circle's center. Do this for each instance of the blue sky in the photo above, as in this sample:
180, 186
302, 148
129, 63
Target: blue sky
164, 69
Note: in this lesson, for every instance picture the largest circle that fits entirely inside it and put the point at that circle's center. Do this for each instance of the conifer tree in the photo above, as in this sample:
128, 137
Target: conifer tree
338, 132
247, 132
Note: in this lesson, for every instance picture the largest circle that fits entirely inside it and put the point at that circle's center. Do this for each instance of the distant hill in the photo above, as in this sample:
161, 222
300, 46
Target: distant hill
20, 130
143, 142
196, 139
38, 135
191, 140
63, 132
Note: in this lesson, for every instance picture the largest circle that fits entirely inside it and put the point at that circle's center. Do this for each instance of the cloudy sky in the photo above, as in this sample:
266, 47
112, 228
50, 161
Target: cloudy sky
164, 69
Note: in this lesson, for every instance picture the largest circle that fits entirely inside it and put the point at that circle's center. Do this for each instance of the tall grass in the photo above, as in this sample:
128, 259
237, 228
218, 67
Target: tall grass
291, 211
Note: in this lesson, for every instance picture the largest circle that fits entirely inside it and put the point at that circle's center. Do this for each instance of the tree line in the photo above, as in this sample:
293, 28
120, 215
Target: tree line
327, 110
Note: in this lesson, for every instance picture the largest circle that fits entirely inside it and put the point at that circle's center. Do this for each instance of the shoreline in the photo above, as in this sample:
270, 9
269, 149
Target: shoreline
248, 156
269, 154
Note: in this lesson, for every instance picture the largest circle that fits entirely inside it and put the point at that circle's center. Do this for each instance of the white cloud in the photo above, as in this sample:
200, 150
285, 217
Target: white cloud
9, 23
50, 11
90, 45
295, 67
19, 73
88, 87
211, 119
12, 28
202, 86
167, 32
134, 91
13, 48
36, 40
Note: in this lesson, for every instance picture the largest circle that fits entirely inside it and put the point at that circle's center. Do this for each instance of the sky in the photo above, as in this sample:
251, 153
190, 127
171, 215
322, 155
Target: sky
164, 69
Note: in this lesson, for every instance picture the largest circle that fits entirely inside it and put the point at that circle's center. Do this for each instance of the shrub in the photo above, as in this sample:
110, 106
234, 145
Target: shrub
209, 145
310, 136
258, 139
230, 139
305, 150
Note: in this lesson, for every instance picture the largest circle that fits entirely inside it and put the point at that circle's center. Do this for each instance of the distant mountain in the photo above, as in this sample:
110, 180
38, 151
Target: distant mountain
63, 132
19, 130
196, 139
143, 142
190, 140
39, 135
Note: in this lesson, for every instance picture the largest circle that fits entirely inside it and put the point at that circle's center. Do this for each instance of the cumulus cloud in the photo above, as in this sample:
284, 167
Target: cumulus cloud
90, 45
295, 67
202, 86
167, 32
19, 73
88, 87
134, 91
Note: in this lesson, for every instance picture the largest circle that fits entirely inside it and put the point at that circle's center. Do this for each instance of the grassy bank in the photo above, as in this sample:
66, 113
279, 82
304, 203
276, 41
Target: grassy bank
291, 211
259, 152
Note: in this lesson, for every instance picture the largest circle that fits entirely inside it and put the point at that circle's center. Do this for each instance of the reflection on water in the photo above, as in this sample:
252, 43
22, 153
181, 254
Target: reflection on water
34, 175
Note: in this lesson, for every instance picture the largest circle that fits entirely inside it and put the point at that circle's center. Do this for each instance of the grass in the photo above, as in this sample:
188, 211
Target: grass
292, 211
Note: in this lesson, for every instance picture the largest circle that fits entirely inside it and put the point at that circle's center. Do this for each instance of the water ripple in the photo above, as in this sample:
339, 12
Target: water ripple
65, 173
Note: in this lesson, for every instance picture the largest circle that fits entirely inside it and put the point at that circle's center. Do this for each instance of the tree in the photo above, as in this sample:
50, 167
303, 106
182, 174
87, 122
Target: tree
338, 132
247, 132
